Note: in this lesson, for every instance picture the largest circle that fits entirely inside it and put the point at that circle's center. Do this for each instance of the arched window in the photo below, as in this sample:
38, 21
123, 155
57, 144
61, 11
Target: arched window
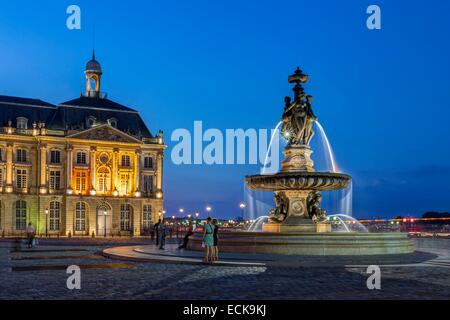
21, 215
55, 213
90, 121
80, 216
112, 122
104, 180
147, 216
22, 123
125, 217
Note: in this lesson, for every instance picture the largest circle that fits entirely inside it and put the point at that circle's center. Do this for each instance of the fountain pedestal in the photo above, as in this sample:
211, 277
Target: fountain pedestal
297, 219
297, 158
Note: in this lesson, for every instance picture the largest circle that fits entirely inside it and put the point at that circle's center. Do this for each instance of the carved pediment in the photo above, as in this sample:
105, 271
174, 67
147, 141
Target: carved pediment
105, 133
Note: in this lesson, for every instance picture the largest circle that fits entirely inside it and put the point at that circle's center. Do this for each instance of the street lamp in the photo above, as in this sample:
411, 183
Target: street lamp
181, 210
105, 213
208, 209
46, 222
242, 206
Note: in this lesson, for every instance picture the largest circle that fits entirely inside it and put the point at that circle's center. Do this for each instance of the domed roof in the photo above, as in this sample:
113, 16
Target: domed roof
93, 65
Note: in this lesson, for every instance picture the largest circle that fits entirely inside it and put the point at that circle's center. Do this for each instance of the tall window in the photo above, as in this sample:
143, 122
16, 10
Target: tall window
55, 213
1, 178
21, 178
55, 156
148, 162
126, 161
125, 217
80, 181
147, 216
125, 183
21, 155
81, 157
104, 180
55, 180
80, 216
21, 215
148, 184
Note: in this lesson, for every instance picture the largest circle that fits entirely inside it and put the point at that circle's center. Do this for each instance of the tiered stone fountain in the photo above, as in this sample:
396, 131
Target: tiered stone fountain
297, 225
297, 187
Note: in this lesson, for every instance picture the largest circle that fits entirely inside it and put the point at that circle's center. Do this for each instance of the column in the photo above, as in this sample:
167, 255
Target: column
92, 169
43, 168
137, 217
69, 169
159, 172
115, 170
9, 167
137, 171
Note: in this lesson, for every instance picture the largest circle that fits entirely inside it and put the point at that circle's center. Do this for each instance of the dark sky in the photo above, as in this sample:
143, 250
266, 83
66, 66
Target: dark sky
382, 96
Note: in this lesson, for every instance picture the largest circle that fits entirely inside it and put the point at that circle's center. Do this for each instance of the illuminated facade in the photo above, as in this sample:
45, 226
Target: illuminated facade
85, 167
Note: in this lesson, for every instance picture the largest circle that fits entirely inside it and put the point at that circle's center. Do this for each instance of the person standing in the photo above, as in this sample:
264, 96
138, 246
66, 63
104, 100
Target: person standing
156, 228
162, 234
189, 233
31, 232
152, 232
215, 253
208, 240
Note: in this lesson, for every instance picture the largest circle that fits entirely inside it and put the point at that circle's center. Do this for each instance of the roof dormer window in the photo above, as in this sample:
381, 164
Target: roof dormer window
112, 122
90, 121
22, 123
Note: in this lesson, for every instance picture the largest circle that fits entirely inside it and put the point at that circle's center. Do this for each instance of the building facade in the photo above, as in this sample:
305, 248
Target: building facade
85, 167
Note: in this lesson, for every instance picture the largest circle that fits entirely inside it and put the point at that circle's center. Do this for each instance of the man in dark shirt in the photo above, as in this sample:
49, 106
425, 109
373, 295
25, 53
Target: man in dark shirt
156, 227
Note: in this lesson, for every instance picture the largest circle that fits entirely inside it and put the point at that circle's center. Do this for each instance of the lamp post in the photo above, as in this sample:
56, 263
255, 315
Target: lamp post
208, 209
242, 206
46, 222
105, 213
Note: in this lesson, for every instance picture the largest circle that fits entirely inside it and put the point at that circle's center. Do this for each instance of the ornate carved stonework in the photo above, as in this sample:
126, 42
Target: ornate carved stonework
297, 158
105, 133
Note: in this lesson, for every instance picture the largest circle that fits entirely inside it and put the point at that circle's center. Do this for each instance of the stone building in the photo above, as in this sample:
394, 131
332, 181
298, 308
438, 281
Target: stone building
88, 166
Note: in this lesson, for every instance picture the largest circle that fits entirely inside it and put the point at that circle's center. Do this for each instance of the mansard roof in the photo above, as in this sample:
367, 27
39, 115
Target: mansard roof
73, 115
34, 110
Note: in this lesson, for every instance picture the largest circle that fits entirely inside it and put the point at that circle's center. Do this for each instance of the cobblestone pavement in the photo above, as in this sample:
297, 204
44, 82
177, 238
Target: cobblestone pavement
131, 280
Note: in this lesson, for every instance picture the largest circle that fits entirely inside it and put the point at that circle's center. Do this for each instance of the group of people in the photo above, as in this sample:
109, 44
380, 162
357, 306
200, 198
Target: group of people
210, 238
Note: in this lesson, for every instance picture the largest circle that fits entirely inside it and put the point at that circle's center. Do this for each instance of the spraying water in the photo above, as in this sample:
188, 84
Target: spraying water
346, 204
275, 133
327, 147
346, 223
256, 226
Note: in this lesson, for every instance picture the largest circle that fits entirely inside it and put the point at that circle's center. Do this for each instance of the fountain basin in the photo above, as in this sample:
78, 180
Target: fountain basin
299, 180
315, 244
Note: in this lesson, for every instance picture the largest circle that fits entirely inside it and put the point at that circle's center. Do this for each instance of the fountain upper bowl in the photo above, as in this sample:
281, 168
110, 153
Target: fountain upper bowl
298, 180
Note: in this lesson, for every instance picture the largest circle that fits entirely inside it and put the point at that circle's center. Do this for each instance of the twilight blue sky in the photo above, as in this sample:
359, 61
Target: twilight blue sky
382, 96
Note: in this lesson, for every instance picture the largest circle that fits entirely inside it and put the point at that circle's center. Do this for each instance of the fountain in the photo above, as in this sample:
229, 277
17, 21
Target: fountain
297, 186
297, 224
